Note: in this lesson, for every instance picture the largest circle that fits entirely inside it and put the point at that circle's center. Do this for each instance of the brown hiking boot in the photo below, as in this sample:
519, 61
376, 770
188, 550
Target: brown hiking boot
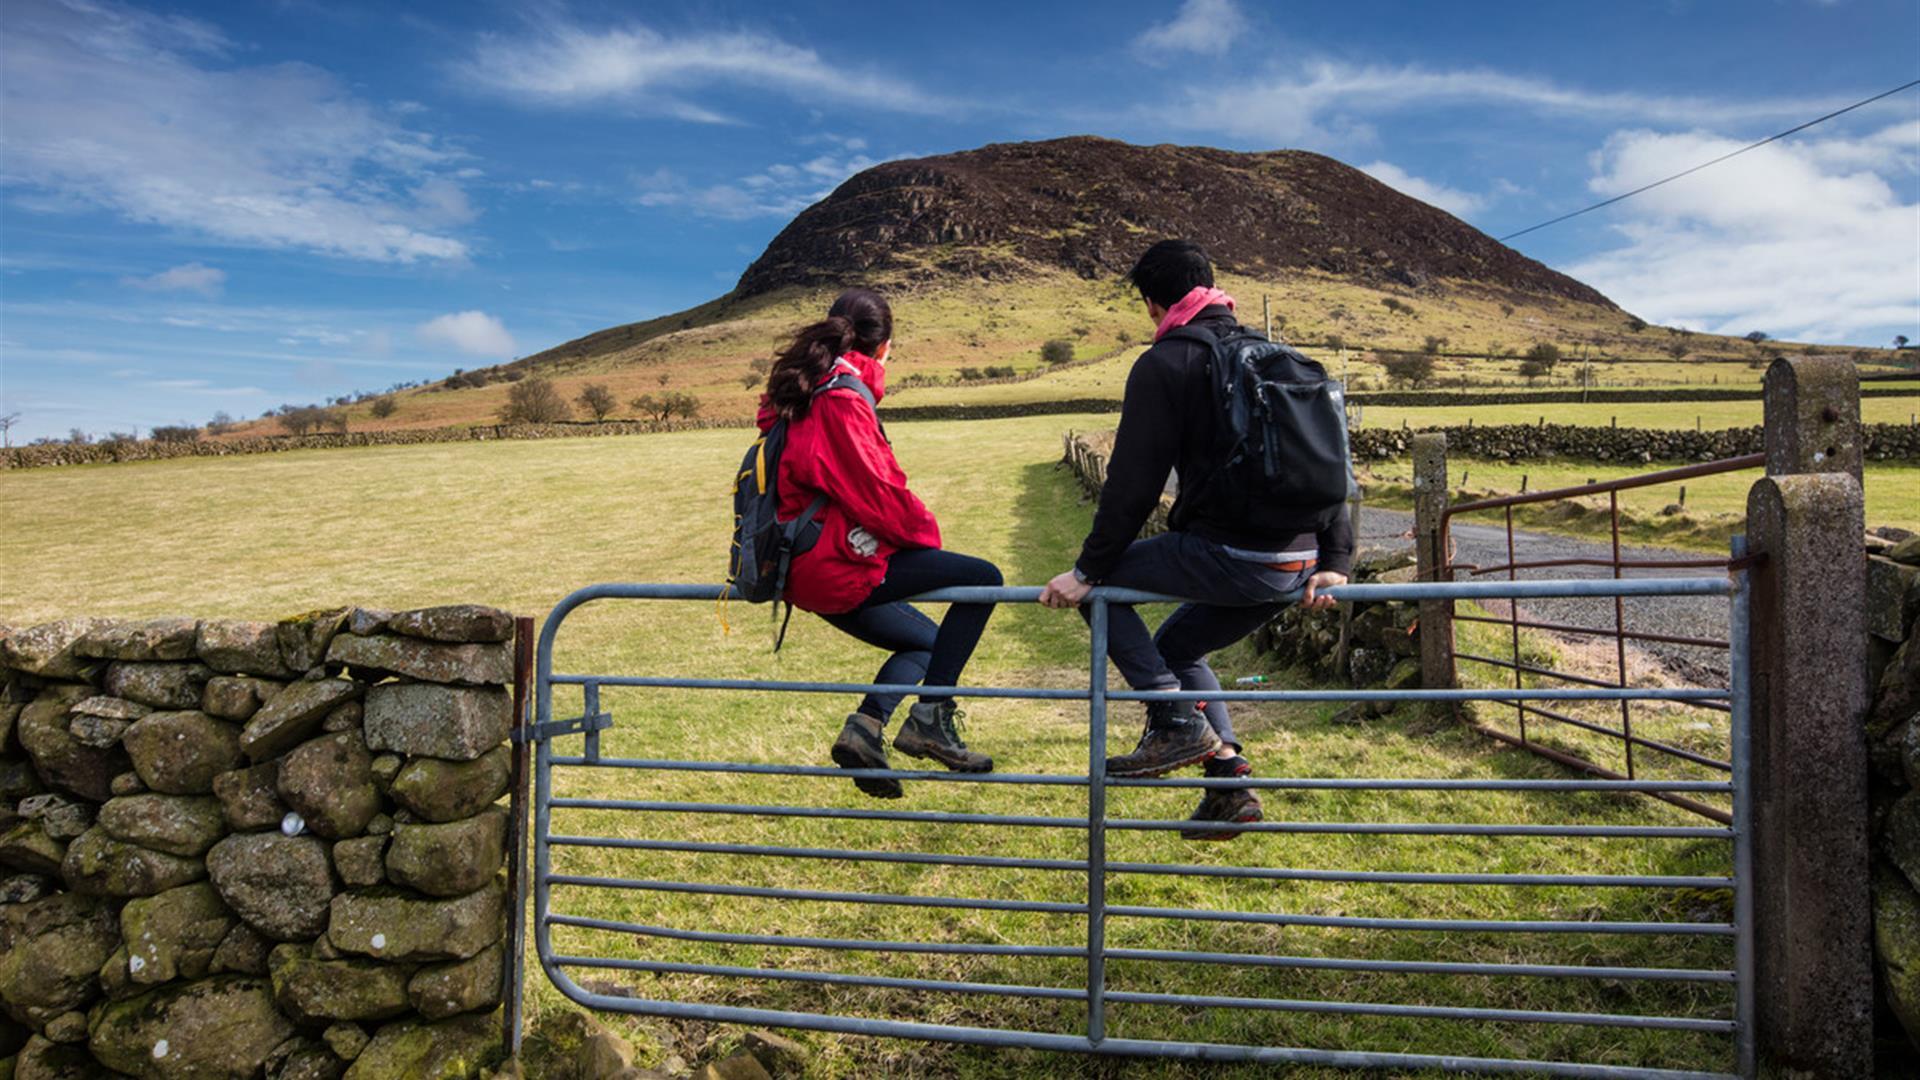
1176, 737
862, 745
929, 732
1223, 805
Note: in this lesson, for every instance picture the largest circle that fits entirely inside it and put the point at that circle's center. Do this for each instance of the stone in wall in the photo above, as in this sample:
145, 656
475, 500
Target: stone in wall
146, 639
293, 714
179, 753
420, 1050
185, 825
456, 723
427, 661
250, 798
434, 789
44, 730
314, 990
328, 781
280, 885
174, 934
50, 950
51, 650
99, 865
158, 684
449, 859
242, 648
398, 925
225, 1026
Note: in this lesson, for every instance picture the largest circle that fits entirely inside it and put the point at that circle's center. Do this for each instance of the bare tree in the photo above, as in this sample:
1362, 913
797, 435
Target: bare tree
534, 401
383, 407
597, 399
6, 428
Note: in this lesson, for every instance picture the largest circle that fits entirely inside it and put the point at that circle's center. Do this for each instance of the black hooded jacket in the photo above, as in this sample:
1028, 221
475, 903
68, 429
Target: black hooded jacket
1167, 423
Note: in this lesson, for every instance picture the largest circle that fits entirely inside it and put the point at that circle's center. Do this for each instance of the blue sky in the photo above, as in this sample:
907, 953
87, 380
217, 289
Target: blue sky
214, 207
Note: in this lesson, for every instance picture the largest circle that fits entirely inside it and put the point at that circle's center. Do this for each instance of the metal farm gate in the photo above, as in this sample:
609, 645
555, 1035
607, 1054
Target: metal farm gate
558, 898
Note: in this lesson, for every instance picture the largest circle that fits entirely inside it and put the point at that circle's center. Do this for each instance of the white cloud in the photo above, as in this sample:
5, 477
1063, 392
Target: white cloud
1809, 240
1208, 27
1325, 100
475, 333
110, 108
560, 63
780, 190
1453, 201
187, 277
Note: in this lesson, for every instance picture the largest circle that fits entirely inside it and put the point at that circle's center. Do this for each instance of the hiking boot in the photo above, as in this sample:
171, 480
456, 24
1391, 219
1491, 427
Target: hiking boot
1230, 805
929, 732
861, 746
1176, 736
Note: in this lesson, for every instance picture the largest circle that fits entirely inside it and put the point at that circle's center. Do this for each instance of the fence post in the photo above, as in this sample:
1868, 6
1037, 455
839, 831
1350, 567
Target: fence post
1812, 907
1430, 556
513, 1016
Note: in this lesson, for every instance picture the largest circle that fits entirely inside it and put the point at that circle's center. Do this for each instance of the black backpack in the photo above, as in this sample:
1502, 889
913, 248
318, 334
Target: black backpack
1281, 445
763, 545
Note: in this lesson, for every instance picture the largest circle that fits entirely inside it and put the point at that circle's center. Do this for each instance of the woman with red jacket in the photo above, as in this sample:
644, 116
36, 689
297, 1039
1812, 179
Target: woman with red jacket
878, 544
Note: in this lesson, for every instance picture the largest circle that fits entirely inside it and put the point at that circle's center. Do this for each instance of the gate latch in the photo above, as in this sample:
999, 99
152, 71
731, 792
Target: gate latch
553, 729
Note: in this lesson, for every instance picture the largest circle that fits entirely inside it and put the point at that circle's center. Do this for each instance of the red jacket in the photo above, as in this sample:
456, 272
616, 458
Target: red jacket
837, 449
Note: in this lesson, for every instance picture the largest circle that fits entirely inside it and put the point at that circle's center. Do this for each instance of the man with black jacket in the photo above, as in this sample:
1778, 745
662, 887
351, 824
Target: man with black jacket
1234, 573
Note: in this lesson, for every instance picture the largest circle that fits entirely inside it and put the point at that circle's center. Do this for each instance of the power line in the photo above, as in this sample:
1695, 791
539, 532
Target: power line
1715, 161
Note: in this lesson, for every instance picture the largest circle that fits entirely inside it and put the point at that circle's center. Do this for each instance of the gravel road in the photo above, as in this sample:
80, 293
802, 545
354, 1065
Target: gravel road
1686, 616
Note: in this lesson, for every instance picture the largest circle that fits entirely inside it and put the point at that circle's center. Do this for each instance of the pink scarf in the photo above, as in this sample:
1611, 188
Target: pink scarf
1182, 313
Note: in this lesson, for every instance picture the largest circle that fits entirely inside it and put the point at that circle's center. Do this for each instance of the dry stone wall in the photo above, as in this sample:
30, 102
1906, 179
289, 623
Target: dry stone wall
1893, 746
240, 849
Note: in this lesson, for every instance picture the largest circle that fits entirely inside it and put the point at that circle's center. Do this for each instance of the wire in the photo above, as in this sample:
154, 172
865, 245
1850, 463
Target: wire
1715, 161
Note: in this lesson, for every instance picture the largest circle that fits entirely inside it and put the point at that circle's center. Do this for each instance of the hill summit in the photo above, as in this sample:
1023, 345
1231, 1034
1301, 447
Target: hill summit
1089, 205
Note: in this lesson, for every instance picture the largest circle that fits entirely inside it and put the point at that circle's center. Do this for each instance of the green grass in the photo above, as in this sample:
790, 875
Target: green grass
521, 524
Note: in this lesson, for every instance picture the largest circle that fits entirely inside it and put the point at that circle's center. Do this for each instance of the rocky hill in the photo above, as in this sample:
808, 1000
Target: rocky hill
1088, 205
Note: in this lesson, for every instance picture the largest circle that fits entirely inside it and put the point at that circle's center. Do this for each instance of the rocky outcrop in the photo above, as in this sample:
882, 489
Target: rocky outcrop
201, 870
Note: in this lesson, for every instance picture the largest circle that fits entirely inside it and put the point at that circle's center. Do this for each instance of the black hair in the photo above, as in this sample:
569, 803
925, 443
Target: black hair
859, 319
1170, 270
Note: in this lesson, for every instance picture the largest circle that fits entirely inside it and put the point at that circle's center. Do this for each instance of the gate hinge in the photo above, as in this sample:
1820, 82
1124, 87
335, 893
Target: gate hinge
553, 729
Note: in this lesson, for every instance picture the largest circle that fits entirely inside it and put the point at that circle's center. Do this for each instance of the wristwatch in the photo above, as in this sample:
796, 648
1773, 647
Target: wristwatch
1081, 577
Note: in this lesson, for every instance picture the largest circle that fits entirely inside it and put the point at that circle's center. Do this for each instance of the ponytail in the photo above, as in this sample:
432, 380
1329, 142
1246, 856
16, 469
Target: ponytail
859, 319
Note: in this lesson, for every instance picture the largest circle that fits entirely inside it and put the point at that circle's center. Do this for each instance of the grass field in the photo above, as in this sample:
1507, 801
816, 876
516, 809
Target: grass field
519, 525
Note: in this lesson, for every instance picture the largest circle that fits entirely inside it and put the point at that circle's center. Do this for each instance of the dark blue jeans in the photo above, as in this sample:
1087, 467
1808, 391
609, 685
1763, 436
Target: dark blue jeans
923, 653
1234, 598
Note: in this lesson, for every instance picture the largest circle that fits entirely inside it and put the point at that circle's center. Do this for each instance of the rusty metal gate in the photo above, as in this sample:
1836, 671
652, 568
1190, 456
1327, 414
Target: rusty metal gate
572, 744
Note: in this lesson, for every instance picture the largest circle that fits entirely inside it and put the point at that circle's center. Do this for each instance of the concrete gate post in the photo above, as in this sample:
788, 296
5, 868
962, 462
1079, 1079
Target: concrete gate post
1812, 909
1430, 555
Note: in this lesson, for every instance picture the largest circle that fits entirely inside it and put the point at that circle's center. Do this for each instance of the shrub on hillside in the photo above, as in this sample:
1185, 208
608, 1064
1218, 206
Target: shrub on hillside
1408, 369
666, 406
597, 399
1544, 354
1057, 351
303, 419
383, 407
176, 433
1434, 344
534, 401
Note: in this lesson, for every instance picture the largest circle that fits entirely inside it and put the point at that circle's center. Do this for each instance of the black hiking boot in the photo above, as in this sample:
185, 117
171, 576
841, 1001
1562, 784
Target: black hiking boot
929, 732
861, 746
1229, 805
1176, 737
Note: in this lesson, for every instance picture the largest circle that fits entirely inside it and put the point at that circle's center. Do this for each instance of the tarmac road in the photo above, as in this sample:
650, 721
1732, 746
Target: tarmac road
1685, 616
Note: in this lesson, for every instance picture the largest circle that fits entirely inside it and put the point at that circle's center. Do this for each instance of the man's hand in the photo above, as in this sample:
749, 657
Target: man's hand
1065, 591
1313, 601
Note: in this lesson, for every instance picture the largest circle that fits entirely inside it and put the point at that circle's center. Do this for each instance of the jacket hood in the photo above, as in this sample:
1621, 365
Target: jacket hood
870, 371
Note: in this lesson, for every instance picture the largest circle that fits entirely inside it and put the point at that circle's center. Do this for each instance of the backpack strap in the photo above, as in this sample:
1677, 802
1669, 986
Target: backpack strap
847, 380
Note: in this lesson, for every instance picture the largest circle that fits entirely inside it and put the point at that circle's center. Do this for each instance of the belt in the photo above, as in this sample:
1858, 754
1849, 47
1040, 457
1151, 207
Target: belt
1292, 567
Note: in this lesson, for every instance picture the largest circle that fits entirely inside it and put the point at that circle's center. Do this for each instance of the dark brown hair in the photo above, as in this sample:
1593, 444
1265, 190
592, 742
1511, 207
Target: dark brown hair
859, 319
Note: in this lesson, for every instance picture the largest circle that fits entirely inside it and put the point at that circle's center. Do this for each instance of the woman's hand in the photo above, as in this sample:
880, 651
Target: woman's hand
1325, 579
1065, 591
